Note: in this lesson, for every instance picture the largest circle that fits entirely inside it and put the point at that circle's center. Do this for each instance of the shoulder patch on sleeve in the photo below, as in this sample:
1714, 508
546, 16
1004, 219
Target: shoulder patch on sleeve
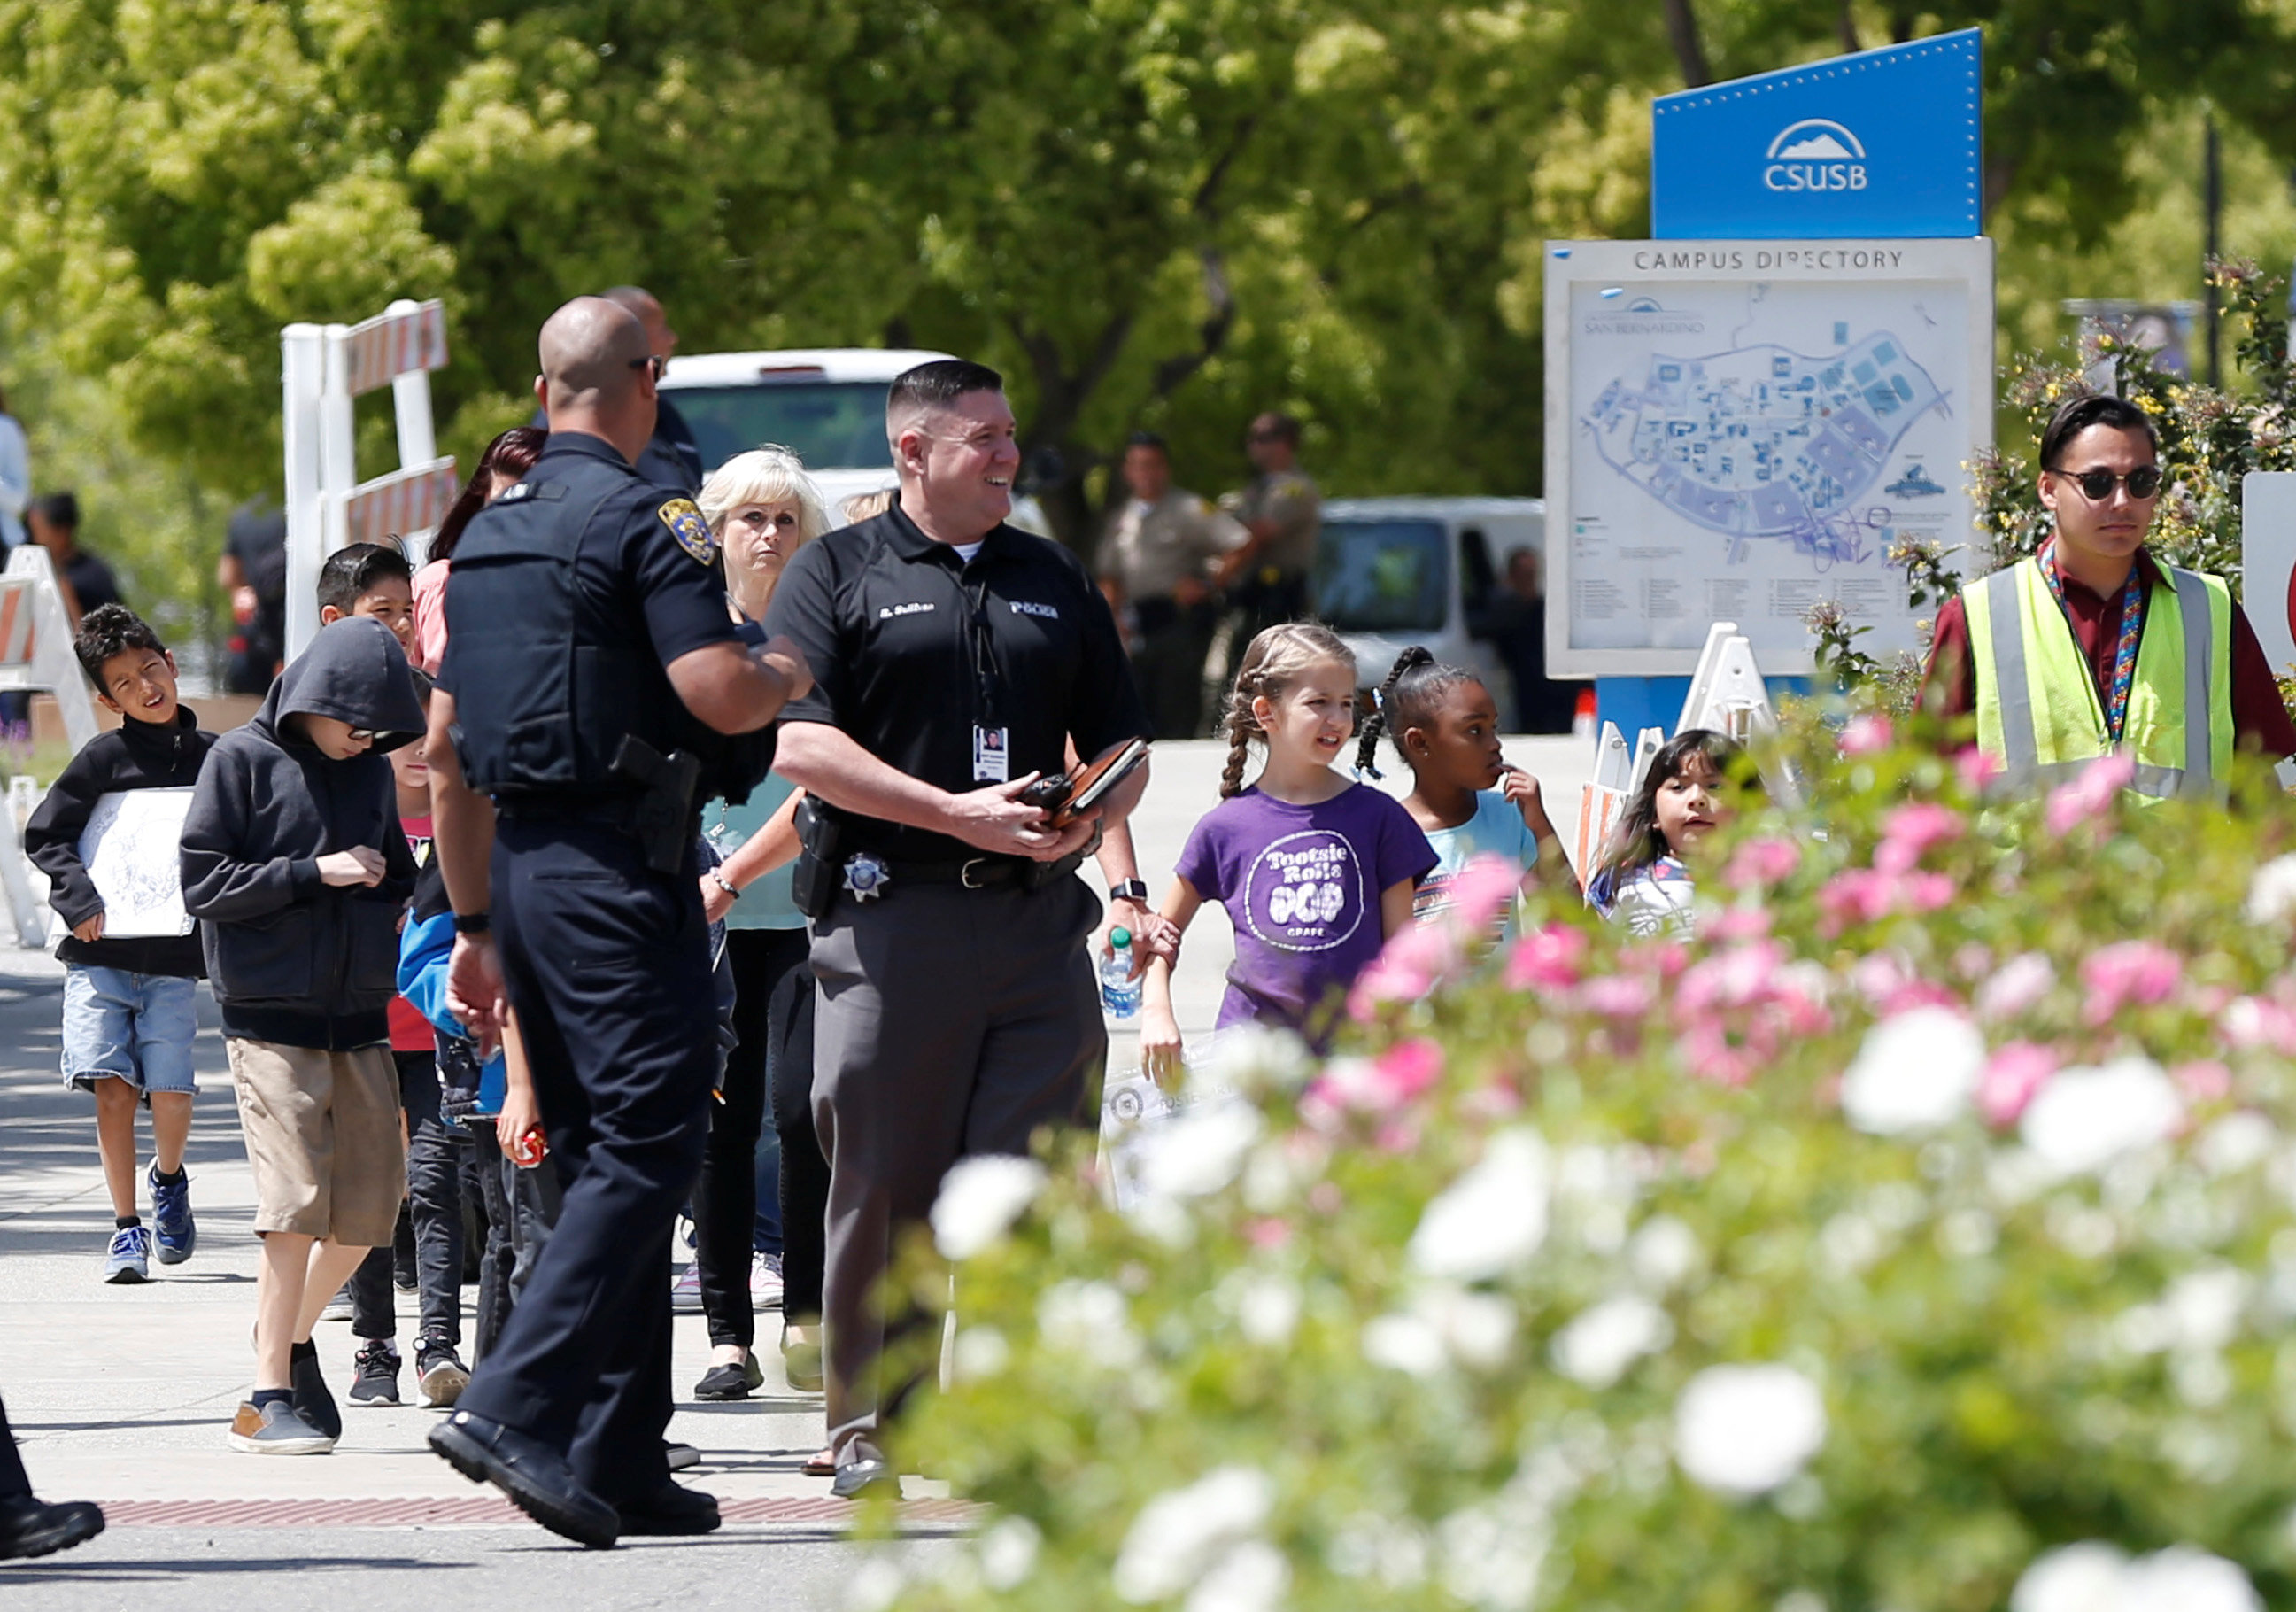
691, 531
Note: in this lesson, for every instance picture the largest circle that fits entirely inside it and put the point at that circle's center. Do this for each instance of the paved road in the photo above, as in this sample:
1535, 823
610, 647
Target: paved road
122, 1394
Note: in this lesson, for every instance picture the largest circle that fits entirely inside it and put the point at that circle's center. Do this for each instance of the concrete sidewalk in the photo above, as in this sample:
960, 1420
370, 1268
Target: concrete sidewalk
122, 1394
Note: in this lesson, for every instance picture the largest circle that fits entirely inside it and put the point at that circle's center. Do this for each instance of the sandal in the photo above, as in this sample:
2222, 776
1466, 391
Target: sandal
821, 1463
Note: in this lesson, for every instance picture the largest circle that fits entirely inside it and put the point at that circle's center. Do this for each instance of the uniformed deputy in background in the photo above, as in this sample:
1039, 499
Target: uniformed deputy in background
670, 457
591, 680
1157, 562
958, 658
1266, 581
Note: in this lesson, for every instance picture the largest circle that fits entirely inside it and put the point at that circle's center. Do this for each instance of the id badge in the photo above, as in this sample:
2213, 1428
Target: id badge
990, 762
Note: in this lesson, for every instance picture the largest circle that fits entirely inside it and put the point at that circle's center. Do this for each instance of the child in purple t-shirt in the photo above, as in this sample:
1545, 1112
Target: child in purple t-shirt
1315, 872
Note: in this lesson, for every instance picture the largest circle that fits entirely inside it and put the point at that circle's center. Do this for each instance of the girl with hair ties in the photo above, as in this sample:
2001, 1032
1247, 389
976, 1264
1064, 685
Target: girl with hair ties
1316, 871
1466, 798
503, 466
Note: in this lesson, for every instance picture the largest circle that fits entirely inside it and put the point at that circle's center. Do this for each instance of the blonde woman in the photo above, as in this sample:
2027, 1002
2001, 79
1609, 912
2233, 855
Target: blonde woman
763, 507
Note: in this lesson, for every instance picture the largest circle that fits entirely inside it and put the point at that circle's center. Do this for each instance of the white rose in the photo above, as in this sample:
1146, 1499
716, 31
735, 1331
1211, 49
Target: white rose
2084, 1118
1268, 1309
1663, 1253
979, 1199
1008, 1553
1090, 1321
2183, 1578
2272, 892
1915, 1071
2084, 1577
1744, 1430
1251, 1578
1183, 1532
1408, 1344
1492, 1218
1257, 1057
1200, 1151
1597, 1348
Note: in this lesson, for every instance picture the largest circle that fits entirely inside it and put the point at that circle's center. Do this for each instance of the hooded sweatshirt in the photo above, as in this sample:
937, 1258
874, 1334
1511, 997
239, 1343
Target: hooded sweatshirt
292, 959
138, 755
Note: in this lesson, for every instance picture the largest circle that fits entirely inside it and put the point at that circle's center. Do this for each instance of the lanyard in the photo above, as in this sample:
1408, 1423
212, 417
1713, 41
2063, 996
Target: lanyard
2124, 652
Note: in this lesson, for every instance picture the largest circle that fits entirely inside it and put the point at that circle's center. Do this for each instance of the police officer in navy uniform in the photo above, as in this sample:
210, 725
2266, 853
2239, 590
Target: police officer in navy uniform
594, 694
958, 658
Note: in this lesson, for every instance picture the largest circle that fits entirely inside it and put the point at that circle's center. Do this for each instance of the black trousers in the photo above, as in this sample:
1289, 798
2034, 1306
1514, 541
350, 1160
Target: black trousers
13, 1480
522, 1206
608, 966
805, 1173
725, 1199
436, 1148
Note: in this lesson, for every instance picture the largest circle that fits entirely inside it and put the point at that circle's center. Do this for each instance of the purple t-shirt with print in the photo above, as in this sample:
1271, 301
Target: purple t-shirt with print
1301, 885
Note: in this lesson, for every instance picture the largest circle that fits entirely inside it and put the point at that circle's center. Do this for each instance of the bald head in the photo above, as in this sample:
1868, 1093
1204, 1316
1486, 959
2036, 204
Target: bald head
594, 374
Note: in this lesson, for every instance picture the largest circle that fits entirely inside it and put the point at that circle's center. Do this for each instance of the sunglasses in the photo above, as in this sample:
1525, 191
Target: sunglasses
651, 361
2096, 485
361, 736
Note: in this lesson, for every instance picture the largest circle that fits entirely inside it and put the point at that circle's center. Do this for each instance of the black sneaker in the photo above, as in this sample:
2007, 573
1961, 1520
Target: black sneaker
315, 1403
439, 1375
31, 1527
376, 1365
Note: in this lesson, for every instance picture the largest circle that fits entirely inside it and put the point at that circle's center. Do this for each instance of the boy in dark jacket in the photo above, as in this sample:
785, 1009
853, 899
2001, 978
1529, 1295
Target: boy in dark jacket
293, 859
128, 1009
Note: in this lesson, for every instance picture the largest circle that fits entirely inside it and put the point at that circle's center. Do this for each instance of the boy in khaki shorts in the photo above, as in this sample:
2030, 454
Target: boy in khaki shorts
294, 860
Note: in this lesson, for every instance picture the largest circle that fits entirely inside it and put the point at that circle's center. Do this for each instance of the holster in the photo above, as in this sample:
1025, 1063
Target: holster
821, 854
665, 811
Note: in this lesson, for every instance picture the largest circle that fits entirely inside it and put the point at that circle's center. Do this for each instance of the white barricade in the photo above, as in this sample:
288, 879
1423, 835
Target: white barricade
35, 654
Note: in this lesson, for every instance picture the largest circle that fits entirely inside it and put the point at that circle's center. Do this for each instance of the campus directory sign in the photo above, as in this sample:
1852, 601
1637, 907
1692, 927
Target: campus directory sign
1738, 430
1886, 142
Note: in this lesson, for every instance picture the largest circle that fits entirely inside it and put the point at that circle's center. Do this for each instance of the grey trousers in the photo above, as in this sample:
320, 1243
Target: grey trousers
950, 1021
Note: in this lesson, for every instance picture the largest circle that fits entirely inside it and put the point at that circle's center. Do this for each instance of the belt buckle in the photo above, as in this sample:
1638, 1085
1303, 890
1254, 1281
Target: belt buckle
964, 874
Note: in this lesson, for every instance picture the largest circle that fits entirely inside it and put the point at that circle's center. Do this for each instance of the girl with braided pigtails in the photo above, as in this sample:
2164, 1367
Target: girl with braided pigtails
1465, 795
1316, 871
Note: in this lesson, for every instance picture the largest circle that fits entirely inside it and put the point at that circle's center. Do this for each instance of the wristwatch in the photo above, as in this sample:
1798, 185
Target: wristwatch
1135, 890
473, 923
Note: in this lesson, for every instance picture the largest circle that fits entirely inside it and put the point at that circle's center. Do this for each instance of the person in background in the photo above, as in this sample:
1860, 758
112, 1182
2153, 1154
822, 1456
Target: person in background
1317, 871
670, 458
1156, 562
864, 506
503, 466
1644, 878
435, 1150
15, 477
2082, 649
1266, 579
130, 1008
1470, 803
87, 582
1518, 631
253, 575
292, 856
763, 508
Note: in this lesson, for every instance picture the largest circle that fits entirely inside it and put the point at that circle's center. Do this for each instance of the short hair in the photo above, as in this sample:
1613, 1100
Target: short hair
110, 630
1148, 438
58, 509
352, 570
2084, 409
764, 475
936, 384
1276, 424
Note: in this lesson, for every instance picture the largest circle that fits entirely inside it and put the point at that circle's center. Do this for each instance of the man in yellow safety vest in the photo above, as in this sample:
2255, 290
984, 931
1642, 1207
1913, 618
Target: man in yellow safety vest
2091, 646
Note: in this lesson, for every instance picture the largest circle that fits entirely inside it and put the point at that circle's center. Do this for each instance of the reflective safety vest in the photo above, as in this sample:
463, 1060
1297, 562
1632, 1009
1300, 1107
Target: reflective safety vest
2038, 706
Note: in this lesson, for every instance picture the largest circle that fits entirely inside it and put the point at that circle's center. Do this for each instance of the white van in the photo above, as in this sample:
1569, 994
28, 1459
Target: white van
825, 403
1391, 572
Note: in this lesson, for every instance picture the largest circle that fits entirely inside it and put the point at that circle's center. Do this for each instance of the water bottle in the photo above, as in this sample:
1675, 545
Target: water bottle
1120, 988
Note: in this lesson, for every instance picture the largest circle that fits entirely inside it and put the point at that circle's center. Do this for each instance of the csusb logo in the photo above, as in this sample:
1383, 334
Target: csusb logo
1816, 154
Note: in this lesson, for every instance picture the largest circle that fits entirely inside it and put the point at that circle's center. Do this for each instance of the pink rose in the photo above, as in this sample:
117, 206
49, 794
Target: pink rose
1863, 734
2250, 1022
2090, 795
1480, 891
2203, 1079
2129, 973
1910, 831
2011, 1078
1731, 978
1976, 769
1408, 1068
1269, 1233
2018, 985
1546, 960
1619, 996
1856, 896
1405, 970
1379, 1085
1760, 863
1739, 924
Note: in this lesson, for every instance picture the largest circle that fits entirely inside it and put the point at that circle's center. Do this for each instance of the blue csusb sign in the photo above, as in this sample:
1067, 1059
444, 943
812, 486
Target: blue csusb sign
1885, 143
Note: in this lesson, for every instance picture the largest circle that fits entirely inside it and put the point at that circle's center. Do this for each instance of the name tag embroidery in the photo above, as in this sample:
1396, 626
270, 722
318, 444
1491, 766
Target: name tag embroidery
1021, 608
917, 609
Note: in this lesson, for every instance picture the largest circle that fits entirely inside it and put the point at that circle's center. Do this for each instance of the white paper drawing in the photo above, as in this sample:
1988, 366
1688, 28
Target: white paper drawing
129, 848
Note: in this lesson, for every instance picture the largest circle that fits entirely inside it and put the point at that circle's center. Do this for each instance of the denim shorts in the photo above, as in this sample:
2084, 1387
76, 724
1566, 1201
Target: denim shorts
136, 1026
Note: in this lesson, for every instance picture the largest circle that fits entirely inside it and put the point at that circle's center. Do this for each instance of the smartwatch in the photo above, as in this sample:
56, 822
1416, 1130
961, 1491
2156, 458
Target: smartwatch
473, 923
1135, 890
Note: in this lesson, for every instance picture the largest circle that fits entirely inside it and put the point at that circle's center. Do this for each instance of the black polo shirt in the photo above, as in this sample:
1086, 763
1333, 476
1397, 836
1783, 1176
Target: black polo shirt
911, 649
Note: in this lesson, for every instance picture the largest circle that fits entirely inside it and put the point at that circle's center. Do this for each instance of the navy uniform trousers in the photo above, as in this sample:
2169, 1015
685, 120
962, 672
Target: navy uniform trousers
608, 966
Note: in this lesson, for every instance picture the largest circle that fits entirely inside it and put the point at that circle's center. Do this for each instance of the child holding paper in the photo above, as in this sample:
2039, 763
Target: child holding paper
129, 1010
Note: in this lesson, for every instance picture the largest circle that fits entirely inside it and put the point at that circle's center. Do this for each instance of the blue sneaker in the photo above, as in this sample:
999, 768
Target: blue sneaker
129, 1258
171, 1218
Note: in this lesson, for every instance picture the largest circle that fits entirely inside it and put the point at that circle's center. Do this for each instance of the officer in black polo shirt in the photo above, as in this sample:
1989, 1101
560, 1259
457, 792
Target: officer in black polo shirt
594, 687
957, 659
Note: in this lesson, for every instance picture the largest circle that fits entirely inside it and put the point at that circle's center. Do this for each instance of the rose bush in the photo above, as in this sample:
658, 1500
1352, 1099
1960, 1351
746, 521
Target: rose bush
1924, 1230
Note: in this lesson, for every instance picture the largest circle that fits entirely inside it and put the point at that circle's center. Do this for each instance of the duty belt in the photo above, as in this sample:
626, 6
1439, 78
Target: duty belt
974, 873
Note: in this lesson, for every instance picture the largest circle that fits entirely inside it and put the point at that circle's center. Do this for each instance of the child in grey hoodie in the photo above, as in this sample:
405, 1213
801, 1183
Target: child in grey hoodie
294, 860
